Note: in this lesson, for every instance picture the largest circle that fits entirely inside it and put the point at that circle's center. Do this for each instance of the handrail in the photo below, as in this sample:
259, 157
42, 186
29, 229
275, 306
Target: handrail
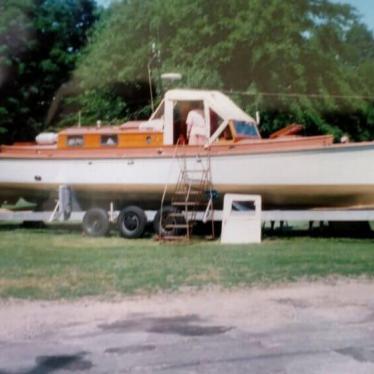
167, 183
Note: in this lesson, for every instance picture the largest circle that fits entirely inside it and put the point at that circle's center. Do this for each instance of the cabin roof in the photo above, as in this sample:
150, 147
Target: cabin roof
90, 130
128, 126
219, 102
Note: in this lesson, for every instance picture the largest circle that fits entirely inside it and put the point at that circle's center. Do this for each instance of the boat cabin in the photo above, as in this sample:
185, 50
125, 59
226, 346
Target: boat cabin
222, 122
108, 137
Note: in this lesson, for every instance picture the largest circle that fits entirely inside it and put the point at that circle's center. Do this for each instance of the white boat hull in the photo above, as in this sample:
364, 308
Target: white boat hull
337, 176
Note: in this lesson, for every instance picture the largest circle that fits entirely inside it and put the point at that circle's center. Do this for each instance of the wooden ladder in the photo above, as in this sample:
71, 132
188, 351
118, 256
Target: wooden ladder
193, 193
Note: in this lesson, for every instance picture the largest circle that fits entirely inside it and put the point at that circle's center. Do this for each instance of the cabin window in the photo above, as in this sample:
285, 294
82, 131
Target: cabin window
109, 140
159, 113
247, 129
75, 140
215, 121
226, 134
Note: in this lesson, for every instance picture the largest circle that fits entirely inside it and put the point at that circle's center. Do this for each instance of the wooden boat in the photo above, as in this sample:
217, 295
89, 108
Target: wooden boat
131, 163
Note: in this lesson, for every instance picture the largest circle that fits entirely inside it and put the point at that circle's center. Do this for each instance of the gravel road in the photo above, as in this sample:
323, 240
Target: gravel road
324, 327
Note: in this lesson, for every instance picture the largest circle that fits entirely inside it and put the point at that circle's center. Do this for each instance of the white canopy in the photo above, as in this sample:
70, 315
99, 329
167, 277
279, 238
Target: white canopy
216, 100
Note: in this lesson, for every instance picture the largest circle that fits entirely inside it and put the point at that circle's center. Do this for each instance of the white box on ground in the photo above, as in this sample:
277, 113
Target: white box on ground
241, 220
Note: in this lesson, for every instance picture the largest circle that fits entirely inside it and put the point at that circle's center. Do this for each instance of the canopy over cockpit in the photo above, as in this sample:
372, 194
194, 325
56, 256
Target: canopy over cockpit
218, 110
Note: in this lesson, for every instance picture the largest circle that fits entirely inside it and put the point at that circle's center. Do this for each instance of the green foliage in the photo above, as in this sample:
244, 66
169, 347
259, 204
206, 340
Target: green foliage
39, 44
273, 46
99, 105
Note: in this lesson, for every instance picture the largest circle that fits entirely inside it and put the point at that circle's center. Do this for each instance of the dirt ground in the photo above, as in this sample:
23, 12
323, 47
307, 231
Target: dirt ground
323, 327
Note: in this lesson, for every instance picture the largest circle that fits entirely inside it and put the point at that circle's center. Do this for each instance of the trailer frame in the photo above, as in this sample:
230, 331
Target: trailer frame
64, 212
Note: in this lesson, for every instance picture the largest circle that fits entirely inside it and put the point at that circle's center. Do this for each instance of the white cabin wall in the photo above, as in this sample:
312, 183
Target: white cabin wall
169, 123
207, 119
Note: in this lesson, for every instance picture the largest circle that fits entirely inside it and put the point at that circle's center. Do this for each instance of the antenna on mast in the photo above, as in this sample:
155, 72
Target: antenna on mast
155, 57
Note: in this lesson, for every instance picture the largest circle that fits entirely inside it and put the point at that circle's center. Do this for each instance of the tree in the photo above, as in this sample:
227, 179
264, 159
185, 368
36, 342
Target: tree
39, 44
245, 46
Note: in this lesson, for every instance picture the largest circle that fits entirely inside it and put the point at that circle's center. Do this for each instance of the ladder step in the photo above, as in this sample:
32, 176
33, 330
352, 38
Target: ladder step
209, 237
193, 192
186, 171
186, 203
179, 226
176, 215
174, 238
192, 181
198, 188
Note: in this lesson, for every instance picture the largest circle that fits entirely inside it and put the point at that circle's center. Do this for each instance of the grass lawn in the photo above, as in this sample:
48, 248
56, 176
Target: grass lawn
58, 263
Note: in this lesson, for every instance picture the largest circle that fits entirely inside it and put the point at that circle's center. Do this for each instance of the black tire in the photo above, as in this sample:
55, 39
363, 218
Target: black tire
167, 219
96, 222
131, 222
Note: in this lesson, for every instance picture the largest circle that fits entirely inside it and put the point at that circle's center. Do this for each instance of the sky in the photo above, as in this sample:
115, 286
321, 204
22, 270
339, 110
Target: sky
365, 8
103, 2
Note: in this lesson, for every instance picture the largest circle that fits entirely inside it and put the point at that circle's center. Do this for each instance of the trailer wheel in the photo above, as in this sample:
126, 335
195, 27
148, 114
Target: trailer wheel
96, 222
131, 222
168, 218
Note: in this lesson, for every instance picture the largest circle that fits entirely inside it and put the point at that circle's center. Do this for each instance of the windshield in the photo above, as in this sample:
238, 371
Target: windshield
248, 129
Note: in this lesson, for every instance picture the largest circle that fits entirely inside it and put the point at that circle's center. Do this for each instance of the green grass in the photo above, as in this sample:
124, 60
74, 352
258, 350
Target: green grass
55, 263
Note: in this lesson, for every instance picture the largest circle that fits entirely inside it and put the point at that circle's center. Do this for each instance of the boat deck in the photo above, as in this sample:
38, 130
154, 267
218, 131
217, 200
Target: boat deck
252, 146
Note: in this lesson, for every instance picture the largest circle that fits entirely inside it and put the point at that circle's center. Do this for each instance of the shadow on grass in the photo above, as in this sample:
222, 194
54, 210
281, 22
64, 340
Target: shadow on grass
41, 227
354, 230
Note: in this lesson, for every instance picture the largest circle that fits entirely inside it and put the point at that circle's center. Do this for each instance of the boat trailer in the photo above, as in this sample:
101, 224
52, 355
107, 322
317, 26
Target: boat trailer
64, 213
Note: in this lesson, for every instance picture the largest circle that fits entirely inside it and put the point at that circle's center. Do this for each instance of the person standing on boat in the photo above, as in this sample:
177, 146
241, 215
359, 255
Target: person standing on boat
196, 126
